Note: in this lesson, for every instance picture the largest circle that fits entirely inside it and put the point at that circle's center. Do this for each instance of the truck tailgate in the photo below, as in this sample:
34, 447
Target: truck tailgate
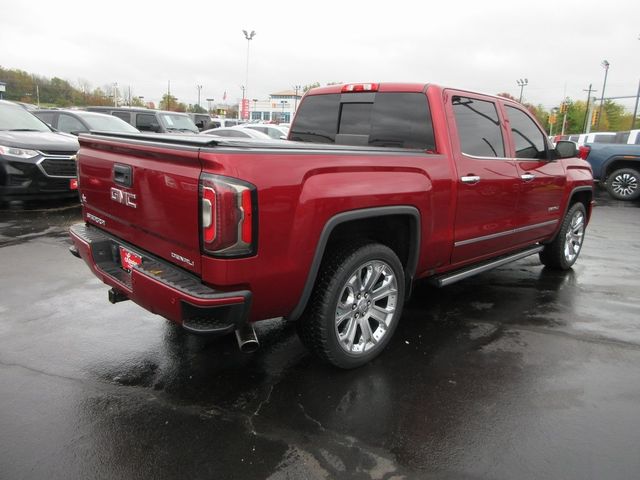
144, 194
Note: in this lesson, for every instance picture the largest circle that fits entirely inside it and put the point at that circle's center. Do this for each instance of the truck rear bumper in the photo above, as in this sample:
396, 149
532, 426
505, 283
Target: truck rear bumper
160, 286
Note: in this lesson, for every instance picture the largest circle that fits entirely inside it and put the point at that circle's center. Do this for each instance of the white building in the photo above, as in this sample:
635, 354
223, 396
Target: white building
280, 107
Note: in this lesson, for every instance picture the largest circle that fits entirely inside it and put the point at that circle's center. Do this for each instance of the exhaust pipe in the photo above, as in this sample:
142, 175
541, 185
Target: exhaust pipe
247, 339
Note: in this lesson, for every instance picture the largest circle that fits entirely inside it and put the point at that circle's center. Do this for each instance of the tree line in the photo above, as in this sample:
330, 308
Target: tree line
26, 87
56, 92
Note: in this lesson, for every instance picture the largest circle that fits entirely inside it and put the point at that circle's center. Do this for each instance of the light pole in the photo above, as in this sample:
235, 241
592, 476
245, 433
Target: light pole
115, 94
283, 103
297, 89
605, 65
199, 87
522, 82
249, 37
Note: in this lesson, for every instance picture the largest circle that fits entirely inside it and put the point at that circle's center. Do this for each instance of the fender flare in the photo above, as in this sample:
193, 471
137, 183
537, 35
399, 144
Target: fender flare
614, 158
333, 222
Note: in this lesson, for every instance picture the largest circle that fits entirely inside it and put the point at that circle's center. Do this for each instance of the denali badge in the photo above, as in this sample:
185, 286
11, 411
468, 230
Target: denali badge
125, 198
182, 259
98, 220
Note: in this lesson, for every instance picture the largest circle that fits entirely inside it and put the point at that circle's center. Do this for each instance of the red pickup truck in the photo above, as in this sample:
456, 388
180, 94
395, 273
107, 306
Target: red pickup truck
379, 185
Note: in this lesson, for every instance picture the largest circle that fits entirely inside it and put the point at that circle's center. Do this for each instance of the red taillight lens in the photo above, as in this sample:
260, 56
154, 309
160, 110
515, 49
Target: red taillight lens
360, 87
583, 151
228, 216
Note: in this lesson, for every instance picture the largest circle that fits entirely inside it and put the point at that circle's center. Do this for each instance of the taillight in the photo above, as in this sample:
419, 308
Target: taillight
228, 216
360, 87
583, 151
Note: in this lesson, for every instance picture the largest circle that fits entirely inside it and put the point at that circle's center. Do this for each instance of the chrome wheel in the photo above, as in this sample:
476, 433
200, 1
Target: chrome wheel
366, 307
574, 237
624, 184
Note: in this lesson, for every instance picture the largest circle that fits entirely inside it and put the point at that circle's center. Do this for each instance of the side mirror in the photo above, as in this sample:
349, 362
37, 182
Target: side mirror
566, 149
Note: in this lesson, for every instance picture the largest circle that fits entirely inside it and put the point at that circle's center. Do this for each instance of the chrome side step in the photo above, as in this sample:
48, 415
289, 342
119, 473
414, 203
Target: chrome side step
452, 277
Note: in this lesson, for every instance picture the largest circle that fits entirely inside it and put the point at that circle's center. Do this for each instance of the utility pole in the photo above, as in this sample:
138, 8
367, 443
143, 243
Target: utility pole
297, 89
586, 125
605, 65
168, 94
635, 109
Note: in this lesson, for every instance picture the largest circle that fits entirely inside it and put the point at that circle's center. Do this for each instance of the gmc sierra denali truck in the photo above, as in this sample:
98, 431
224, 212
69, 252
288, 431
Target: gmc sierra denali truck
381, 184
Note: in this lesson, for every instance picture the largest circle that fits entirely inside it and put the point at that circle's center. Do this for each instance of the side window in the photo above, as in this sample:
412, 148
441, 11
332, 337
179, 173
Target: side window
528, 140
126, 116
67, 123
46, 117
147, 123
478, 127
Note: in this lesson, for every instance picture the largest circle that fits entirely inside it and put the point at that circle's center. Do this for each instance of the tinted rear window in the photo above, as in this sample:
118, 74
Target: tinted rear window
400, 120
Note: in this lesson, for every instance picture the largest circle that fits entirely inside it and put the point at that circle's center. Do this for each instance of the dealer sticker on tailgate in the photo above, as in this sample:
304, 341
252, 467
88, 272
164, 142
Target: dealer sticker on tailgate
128, 259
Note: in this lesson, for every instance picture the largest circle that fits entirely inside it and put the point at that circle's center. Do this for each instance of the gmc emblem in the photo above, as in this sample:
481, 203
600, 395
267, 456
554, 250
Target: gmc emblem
125, 198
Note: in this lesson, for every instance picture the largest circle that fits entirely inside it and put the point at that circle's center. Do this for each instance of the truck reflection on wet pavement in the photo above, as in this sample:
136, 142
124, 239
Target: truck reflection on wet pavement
517, 373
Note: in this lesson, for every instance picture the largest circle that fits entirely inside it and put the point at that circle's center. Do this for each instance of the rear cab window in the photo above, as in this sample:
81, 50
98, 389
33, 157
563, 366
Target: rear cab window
375, 119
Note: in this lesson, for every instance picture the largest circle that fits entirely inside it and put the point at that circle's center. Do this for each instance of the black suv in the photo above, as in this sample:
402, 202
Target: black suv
35, 161
147, 120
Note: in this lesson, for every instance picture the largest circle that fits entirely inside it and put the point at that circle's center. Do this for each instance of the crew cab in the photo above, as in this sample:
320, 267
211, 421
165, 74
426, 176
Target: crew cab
379, 185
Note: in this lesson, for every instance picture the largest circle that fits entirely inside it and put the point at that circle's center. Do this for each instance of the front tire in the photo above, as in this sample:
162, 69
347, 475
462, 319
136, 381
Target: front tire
563, 251
624, 184
355, 306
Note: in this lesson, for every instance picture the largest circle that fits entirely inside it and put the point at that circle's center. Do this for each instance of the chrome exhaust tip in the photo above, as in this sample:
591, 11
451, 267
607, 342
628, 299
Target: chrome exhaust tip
247, 339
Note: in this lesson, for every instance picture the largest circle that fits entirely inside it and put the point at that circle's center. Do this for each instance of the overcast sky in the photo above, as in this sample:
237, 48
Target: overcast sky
479, 45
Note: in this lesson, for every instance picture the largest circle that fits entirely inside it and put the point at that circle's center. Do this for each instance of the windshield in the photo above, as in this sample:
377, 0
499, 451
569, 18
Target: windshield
108, 123
180, 123
14, 117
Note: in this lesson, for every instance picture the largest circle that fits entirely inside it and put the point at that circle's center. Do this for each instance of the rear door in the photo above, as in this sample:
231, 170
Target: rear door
144, 193
543, 181
488, 183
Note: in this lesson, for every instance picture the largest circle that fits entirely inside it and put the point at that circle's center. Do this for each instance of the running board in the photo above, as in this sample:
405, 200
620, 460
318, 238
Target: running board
456, 276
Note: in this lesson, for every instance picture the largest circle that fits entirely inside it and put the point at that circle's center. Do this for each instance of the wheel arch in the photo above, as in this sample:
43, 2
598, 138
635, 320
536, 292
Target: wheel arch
343, 225
617, 163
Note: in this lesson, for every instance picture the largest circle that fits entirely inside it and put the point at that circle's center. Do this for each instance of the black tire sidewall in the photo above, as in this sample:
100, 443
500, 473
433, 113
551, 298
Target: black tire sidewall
610, 179
363, 255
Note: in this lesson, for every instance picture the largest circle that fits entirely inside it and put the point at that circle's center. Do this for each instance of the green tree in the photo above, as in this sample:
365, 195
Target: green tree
168, 102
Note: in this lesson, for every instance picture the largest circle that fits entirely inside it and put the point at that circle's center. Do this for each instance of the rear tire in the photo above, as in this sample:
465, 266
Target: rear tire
624, 184
563, 251
355, 305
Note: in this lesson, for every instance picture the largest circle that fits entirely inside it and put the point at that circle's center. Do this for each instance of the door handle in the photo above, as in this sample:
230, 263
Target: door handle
527, 177
470, 179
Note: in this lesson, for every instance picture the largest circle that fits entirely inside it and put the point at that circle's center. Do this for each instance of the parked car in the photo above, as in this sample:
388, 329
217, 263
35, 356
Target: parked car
202, 120
35, 161
237, 132
81, 121
147, 120
274, 131
225, 122
584, 138
616, 166
629, 137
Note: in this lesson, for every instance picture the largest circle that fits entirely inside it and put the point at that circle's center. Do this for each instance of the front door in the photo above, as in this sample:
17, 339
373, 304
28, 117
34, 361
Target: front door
543, 181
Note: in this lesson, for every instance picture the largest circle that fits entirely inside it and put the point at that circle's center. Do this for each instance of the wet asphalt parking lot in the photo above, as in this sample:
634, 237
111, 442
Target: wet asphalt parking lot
519, 373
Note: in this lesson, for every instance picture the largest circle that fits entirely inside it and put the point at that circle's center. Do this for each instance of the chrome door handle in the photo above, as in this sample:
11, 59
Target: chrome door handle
527, 177
470, 179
